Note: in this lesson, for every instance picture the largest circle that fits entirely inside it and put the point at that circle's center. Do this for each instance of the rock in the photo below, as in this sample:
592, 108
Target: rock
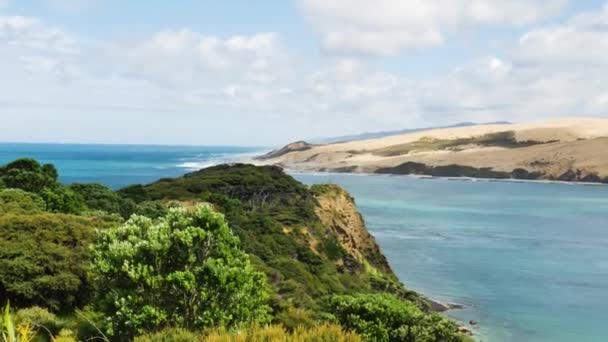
441, 307
465, 331
472, 322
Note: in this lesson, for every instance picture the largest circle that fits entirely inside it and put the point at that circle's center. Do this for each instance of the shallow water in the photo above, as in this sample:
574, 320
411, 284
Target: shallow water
530, 260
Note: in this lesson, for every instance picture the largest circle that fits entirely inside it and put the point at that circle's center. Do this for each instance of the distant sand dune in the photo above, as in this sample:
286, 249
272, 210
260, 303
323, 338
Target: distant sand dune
555, 147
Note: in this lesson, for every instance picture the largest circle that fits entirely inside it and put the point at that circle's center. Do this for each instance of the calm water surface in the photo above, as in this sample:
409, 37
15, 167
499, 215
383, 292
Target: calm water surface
530, 260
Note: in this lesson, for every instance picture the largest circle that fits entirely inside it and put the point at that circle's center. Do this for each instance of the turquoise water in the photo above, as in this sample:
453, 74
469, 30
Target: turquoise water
529, 260
121, 165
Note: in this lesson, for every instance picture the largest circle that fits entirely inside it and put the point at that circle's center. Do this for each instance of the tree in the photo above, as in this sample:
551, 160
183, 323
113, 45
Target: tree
383, 317
44, 258
61, 199
182, 270
100, 197
27, 174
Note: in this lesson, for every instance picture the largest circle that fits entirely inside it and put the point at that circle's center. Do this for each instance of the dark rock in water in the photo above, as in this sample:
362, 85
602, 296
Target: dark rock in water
472, 322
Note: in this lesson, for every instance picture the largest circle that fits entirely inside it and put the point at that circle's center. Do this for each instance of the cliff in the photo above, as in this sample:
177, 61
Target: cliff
311, 242
337, 211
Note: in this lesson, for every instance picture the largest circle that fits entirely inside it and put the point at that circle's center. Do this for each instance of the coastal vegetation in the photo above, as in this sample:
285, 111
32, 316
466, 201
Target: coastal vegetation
504, 139
228, 253
454, 170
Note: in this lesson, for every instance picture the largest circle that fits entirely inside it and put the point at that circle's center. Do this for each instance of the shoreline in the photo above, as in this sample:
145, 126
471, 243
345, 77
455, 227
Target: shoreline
448, 178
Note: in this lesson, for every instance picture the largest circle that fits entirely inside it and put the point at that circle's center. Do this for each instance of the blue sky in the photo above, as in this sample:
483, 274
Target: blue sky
269, 72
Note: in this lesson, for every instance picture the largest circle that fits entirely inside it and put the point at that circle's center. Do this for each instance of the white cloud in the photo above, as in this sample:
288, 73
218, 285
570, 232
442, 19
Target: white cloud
184, 86
386, 27
583, 39
30, 33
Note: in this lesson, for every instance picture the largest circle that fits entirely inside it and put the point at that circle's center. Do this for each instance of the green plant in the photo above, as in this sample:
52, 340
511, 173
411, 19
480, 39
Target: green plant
169, 335
183, 270
38, 317
10, 332
319, 333
43, 259
20, 201
383, 317
100, 197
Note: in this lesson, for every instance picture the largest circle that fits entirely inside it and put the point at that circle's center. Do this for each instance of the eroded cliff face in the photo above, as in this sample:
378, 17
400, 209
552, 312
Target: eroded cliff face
337, 211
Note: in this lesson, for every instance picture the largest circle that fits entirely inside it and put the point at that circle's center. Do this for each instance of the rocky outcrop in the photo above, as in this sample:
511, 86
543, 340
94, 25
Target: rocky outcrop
338, 213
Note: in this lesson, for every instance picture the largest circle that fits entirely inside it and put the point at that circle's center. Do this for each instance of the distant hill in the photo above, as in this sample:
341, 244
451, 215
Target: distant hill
373, 135
565, 149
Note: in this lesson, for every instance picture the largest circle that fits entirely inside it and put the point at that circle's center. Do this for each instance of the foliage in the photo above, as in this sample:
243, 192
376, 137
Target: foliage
100, 197
43, 258
184, 270
10, 332
169, 335
318, 333
151, 209
62, 199
454, 170
38, 317
383, 317
17, 200
29, 175
274, 217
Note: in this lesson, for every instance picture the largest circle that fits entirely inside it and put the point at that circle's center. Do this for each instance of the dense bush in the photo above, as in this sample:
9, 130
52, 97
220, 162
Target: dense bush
17, 200
184, 270
61, 199
383, 317
43, 258
318, 333
100, 197
38, 317
169, 335
274, 217
27, 174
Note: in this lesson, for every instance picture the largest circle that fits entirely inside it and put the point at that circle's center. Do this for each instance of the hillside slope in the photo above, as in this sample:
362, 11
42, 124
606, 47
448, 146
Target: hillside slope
311, 242
565, 149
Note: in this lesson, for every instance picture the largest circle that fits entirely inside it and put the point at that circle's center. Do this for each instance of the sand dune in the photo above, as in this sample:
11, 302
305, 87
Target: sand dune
552, 147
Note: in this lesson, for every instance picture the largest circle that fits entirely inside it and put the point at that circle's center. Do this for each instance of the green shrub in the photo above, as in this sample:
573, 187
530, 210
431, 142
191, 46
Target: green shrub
151, 209
318, 333
61, 199
27, 174
383, 317
43, 259
100, 197
39, 317
169, 335
183, 270
21, 201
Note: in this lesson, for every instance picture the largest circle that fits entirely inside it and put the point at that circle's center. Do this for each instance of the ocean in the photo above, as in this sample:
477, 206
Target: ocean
120, 165
528, 260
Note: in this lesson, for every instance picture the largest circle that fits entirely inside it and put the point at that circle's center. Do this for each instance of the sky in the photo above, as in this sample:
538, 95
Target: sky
264, 73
